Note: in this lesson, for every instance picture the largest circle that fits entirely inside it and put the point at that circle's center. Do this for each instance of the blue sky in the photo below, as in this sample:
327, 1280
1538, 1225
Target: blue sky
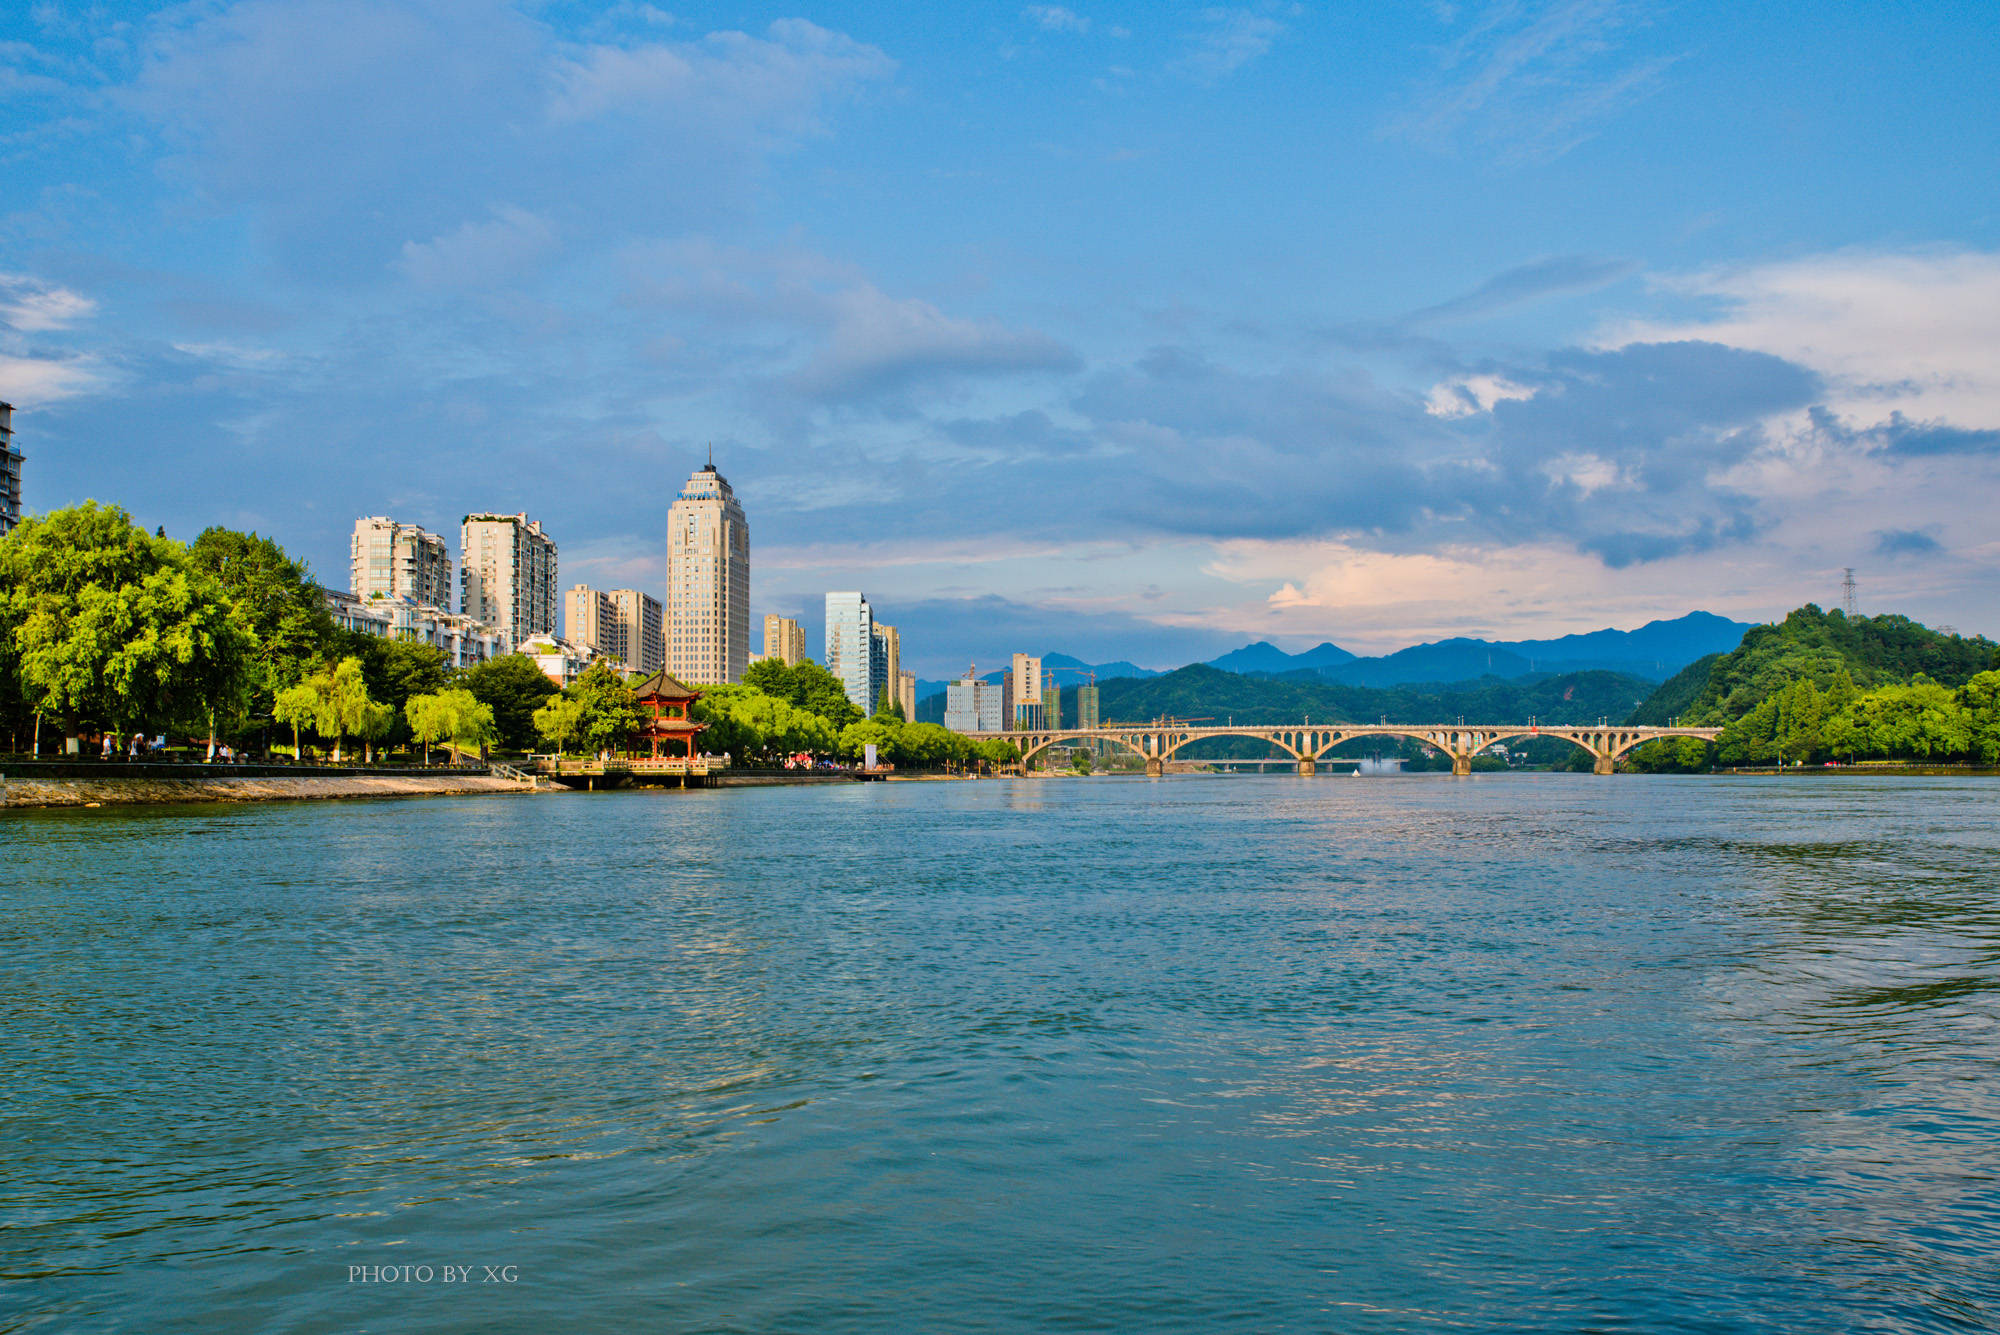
1128, 331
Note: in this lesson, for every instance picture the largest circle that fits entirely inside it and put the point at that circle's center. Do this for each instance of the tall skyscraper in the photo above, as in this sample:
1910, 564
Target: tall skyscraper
784, 639
391, 560
10, 472
708, 582
1023, 693
507, 575
906, 693
891, 646
854, 652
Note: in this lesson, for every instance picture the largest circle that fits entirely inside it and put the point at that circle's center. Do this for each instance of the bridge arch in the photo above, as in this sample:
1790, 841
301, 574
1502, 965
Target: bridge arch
1049, 740
1267, 735
1574, 737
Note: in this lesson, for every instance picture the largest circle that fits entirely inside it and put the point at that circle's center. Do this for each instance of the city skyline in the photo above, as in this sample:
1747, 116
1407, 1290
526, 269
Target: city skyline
1522, 320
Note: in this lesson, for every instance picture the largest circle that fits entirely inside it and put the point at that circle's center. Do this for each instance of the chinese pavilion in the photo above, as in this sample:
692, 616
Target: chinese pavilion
663, 713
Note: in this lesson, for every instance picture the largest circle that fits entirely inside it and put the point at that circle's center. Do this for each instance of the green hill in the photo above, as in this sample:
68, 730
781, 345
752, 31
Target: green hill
1824, 686
1811, 645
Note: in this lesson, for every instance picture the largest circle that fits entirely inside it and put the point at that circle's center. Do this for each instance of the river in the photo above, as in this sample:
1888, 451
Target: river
1535, 1052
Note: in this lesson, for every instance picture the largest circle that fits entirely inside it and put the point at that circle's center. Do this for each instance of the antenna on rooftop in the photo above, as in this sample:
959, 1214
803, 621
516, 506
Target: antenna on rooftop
1847, 600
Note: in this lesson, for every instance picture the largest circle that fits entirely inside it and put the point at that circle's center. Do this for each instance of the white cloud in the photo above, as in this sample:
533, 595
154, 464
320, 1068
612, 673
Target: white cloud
1054, 18
778, 81
1471, 394
1588, 473
1378, 601
1532, 77
479, 253
1917, 334
879, 341
29, 381
1232, 39
31, 305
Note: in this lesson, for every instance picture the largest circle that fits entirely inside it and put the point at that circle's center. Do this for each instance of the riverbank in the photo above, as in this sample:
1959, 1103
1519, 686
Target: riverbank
40, 792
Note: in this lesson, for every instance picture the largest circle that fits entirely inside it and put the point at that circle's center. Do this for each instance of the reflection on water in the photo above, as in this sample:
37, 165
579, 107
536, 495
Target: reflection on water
1256, 1053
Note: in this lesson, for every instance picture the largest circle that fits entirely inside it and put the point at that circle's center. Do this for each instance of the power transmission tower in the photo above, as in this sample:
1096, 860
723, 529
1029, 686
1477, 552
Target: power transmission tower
1847, 602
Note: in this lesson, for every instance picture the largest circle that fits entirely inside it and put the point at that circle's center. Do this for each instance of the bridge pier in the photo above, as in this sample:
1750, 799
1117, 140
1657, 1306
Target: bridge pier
1156, 768
1308, 768
1603, 764
1461, 764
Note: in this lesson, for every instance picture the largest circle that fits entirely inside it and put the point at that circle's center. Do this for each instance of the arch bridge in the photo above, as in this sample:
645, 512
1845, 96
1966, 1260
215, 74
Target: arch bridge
1156, 743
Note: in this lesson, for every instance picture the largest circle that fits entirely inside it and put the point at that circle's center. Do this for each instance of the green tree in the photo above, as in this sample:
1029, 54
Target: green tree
345, 708
1922, 720
1980, 698
514, 688
275, 599
299, 706
610, 707
113, 626
377, 722
885, 733
805, 685
560, 722
771, 676
473, 727
430, 720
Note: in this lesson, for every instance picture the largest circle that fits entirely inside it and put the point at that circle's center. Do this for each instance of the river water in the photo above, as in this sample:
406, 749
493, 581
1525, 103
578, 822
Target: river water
1245, 1054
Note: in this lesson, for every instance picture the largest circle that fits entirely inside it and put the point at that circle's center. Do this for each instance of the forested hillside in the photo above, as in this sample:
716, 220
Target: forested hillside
1823, 685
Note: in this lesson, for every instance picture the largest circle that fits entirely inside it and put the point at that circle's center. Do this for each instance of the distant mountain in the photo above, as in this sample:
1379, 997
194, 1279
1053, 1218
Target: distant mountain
1652, 653
1266, 657
1655, 652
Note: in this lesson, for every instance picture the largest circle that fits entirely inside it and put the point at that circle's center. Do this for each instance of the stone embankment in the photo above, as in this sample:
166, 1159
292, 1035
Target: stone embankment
17, 791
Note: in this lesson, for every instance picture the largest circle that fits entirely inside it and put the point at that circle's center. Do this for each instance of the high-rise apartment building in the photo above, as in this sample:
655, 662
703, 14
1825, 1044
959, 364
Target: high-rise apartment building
890, 644
972, 705
590, 619
1051, 706
854, 652
10, 472
708, 582
624, 624
391, 560
784, 639
906, 693
507, 575
642, 630
1086, 706
1023, 693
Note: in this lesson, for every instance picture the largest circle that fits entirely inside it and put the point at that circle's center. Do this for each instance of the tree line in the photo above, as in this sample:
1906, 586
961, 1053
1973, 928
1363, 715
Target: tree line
106, 629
